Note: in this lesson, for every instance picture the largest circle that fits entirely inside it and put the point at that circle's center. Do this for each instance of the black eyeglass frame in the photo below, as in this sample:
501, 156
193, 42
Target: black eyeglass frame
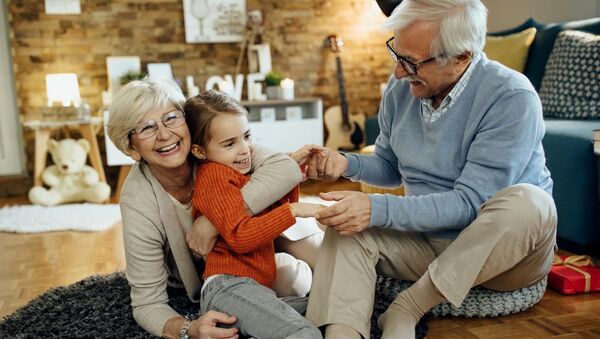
409, 67
165, 116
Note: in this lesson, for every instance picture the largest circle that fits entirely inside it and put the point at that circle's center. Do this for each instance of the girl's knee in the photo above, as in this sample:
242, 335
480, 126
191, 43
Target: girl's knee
294, 277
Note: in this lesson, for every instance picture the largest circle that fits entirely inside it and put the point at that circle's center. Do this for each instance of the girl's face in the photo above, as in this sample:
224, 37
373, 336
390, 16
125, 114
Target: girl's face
230, 143
168, 148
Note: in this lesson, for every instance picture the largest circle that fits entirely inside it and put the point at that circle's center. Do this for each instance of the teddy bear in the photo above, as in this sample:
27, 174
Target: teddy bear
69, 179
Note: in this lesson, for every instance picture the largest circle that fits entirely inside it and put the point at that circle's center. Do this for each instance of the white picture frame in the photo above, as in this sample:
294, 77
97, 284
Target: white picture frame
61, 7
209, 21
160, 71
117, 66
114, 157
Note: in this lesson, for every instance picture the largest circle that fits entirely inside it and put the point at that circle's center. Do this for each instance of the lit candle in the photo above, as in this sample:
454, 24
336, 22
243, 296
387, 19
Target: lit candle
189, 81
287, 87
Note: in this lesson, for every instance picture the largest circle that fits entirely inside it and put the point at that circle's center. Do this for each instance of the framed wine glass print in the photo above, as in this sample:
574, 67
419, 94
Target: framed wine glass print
208, 21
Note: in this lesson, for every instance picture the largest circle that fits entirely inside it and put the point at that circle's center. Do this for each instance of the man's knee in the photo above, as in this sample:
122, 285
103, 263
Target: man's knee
357, 246
333, 238
522, 205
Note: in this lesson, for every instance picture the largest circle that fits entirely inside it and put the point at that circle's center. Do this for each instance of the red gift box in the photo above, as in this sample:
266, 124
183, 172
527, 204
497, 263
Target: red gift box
574, 274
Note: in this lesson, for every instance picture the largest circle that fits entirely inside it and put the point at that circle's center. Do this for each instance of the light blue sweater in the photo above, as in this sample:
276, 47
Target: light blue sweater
490, 138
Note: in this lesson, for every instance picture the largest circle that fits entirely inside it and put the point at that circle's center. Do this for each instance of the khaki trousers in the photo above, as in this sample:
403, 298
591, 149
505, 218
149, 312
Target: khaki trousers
509, 245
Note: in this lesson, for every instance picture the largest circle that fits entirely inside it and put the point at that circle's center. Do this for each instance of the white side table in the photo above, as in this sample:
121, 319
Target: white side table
42, 130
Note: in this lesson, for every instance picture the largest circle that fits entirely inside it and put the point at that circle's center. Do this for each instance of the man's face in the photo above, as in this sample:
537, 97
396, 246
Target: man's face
432, 79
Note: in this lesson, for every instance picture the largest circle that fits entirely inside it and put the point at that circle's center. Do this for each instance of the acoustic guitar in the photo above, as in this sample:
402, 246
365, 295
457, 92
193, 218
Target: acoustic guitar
346, 132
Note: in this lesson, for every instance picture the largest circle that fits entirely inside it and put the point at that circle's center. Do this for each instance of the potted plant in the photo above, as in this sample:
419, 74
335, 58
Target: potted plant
273, 85
130, 76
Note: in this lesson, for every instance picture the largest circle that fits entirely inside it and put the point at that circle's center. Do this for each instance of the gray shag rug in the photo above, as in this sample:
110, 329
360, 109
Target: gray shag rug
98, 307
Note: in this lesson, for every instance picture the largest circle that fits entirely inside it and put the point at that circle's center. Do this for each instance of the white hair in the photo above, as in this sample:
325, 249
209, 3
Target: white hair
136, 99
463, 24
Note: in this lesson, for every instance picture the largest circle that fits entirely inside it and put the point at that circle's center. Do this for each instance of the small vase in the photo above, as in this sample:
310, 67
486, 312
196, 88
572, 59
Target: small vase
274, 92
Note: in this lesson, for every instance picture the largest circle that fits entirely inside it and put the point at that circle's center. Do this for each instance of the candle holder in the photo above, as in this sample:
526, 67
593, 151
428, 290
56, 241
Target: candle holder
287, 88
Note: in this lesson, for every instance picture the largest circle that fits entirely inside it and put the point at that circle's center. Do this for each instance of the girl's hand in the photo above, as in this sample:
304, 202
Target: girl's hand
303, 154
305, 210
308, 154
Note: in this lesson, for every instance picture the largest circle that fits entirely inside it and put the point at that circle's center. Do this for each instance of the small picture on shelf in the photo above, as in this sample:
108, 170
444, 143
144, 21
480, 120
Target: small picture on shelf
293, 113
267, 114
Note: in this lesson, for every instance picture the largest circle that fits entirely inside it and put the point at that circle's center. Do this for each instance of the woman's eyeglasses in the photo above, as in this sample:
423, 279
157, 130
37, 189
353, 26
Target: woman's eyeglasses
148, 129
409, 67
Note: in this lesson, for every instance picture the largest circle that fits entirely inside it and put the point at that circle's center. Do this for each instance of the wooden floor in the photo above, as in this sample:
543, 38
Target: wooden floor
32, 263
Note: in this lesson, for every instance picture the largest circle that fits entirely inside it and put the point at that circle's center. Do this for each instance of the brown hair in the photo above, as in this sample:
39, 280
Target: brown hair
203, 108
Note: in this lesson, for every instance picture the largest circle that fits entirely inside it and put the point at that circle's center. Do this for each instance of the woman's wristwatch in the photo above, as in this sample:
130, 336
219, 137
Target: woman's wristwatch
184, 329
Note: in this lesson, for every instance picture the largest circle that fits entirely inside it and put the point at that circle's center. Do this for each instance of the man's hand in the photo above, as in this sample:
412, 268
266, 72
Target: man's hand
350, 215
304, 154
202, 237
205, 327
326, 164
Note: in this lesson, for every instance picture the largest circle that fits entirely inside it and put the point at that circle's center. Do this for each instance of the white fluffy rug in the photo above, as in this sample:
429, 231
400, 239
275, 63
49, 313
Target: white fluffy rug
77, 217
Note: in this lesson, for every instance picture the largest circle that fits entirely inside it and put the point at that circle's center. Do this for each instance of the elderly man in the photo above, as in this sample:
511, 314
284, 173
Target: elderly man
463, 134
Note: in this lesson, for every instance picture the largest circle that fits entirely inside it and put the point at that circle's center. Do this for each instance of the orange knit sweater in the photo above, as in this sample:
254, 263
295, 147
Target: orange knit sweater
245, 246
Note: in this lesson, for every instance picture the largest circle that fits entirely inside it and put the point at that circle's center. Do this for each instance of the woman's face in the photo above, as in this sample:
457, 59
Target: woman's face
168, 148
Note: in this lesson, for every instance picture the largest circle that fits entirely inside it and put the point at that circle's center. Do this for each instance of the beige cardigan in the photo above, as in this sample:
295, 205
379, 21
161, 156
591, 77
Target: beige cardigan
156, 252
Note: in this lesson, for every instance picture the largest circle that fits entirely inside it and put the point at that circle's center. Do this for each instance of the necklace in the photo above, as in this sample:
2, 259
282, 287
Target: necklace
188, 196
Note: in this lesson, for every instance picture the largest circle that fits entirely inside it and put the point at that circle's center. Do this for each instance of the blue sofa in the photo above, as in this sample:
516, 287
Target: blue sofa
568, 145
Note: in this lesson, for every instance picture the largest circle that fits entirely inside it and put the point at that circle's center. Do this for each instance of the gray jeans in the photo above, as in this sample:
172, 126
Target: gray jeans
259, 312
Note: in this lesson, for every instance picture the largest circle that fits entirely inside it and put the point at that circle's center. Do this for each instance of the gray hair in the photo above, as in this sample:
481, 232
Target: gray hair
136, 99
463, 24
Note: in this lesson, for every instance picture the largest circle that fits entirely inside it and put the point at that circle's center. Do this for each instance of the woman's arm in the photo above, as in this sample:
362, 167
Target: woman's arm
273, 176
146, 274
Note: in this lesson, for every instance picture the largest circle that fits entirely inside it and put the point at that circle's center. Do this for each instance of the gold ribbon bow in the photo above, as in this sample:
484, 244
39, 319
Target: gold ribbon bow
574, 262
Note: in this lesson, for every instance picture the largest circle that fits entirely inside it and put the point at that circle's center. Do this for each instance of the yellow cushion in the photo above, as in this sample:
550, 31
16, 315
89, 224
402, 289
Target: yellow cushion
510, 50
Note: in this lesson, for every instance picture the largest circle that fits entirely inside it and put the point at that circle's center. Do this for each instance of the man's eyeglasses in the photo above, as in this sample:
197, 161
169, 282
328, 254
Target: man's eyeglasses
170, 120
409, 67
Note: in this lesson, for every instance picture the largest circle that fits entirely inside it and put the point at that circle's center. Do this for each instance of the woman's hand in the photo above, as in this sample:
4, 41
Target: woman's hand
305, 210
202, 237
205, 327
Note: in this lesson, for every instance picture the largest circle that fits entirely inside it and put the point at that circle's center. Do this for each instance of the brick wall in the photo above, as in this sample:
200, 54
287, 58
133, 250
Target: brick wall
154, 30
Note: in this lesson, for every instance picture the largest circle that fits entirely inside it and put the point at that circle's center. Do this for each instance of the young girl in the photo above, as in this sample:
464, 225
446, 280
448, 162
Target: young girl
241, 268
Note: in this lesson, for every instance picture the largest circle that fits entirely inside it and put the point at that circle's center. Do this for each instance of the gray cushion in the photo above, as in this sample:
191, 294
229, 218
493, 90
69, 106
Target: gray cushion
544, 41
480, 302
571, 84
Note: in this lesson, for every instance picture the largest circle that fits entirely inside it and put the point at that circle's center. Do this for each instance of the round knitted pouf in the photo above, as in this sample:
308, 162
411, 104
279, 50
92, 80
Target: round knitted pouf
480, 302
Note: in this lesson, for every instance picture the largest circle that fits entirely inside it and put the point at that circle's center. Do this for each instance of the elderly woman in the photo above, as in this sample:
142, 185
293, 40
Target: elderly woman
147, 123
